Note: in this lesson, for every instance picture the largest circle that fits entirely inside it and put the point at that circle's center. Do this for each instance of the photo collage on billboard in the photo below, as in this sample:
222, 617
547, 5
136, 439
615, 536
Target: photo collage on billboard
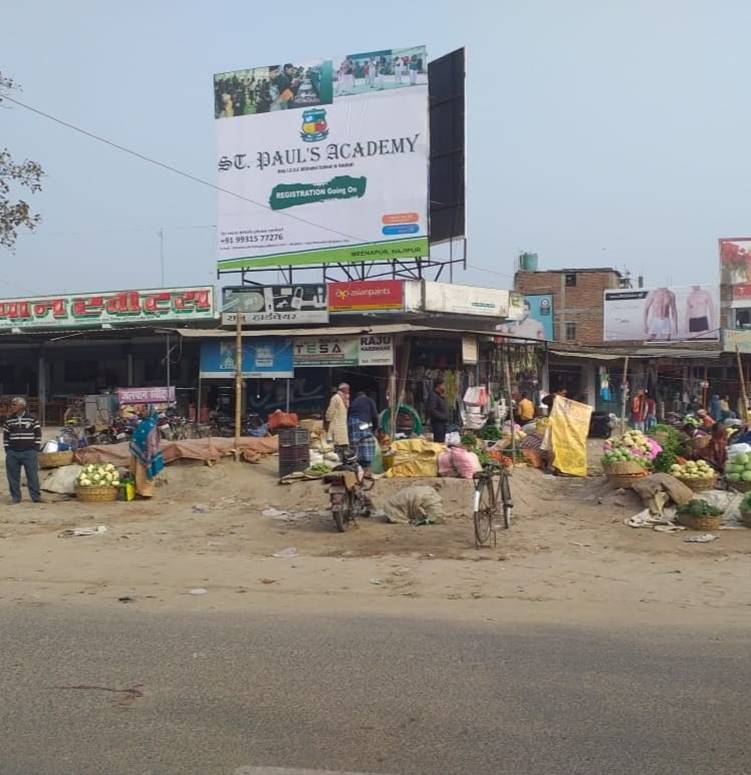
664, 314
326, 160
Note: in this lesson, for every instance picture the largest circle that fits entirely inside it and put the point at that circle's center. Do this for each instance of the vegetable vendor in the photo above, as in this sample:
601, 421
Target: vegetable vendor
146, 457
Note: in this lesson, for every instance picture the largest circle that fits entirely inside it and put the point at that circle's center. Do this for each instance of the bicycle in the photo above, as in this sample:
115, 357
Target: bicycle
488, 492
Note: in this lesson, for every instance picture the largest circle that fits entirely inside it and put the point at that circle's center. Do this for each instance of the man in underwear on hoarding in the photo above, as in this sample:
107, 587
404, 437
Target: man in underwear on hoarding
700, 312
660, 314
527, 327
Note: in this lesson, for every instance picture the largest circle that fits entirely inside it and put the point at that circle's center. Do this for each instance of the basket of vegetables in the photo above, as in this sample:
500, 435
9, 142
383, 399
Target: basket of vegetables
698, 475
745, 509
623, 468
97, 483
738, 473
697, 514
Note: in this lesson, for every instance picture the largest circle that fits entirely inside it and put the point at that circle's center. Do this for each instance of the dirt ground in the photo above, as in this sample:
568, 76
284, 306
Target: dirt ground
218, 528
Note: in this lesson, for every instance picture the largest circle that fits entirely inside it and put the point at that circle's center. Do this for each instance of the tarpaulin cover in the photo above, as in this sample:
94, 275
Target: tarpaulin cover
189, 449
569, 428
415, 457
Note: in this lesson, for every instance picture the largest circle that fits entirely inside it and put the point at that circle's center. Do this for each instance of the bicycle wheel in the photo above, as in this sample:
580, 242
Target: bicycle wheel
484, 511
508, 505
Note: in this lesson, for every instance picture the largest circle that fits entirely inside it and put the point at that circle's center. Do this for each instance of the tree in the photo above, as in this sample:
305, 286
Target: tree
16, 213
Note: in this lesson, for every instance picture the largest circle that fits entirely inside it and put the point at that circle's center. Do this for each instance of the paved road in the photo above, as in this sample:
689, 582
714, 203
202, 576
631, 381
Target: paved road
241, 694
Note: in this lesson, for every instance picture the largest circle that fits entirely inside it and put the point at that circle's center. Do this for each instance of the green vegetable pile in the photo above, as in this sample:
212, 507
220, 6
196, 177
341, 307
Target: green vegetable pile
318, 468
469, 441
738, 469
699, 508
490, 433
622, 456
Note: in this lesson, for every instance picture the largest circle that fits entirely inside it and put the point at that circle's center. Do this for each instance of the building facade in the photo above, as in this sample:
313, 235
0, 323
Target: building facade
576, 300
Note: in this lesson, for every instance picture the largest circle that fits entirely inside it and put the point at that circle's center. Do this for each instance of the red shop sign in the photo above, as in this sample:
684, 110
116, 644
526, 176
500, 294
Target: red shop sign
366, 295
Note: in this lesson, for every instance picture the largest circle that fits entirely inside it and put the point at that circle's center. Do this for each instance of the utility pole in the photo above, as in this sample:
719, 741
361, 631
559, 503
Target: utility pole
161, 254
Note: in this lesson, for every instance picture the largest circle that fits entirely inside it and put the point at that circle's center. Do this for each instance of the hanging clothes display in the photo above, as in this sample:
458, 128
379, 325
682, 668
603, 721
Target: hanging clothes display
604, 384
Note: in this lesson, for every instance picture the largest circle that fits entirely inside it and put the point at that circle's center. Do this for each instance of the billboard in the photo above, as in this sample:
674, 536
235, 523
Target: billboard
323, 161
366, 296
275, 304
662, 314
261, 357
161, 305
465, 300
536, 320
735, 265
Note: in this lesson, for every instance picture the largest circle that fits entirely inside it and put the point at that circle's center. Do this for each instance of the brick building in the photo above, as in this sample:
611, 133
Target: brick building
577, 300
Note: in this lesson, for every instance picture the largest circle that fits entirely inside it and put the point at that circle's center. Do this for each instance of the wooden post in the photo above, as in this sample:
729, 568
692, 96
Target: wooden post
510, 407
624, 395
238, 381
744, 396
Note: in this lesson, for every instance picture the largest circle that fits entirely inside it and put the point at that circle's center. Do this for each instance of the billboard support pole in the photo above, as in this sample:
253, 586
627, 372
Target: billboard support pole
744, 396
624, 395
238, 378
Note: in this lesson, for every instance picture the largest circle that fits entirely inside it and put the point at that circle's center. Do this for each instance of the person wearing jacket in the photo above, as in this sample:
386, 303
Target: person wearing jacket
336, 417
437, 411
22, 439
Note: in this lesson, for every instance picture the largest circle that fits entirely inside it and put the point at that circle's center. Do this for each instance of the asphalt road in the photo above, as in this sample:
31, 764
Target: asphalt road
239, 694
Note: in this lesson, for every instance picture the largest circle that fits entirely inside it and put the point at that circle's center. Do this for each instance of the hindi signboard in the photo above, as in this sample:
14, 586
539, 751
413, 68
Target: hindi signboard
323, 160
146, 395
275, 304
161, 305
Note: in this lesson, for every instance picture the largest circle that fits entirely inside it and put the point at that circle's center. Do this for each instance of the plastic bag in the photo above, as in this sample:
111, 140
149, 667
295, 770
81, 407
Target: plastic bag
453, 439
376, 465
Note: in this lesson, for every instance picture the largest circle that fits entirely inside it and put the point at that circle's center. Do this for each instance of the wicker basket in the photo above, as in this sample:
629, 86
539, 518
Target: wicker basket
746, 517
699, 442
55, 459
627, 467
739, 486
700, 523
699, 485
625, 480
99, 493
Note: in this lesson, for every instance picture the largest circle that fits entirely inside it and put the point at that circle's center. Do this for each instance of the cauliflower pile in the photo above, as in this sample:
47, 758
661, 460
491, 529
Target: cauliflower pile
95, 475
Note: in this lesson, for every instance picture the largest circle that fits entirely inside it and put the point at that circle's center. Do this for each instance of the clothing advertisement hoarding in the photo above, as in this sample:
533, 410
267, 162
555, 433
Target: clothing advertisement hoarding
536, 321
680, 313
275, 304
735, 266
159, 305
465, 300
261, 357
326, 160
366, 296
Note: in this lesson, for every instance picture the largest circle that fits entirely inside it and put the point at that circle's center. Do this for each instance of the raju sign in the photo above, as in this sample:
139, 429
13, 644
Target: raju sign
160, 305
323, 160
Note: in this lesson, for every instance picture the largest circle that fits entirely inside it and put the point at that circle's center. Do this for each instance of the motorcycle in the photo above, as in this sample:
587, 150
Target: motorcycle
347, 491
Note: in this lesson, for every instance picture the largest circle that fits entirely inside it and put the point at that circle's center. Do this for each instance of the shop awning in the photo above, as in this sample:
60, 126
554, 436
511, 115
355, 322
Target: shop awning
641, 352
380, 328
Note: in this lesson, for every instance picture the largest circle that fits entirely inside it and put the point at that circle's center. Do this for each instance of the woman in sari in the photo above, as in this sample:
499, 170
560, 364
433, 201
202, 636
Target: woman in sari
146, 457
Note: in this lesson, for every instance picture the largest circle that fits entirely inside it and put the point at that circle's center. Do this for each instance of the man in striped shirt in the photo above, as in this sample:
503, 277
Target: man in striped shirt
22, 439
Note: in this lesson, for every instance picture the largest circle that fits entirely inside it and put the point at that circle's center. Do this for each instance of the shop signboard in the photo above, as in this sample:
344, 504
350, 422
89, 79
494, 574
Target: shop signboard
469, 350
735, 266
678, 313
333, 154
736, 341
261, 357
146, 395
161, 305
272, 305
327, 351
367, 296
465, 300
333, 351
376, 350
536, 321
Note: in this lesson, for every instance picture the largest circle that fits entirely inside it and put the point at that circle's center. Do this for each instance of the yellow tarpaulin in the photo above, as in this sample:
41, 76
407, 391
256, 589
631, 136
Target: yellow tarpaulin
569, 428
415, 457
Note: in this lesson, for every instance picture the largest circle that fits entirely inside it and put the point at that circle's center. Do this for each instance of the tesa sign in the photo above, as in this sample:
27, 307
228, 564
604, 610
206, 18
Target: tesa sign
368, 295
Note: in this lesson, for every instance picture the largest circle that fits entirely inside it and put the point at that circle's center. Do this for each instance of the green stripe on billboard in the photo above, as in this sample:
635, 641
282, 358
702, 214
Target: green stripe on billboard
372, 251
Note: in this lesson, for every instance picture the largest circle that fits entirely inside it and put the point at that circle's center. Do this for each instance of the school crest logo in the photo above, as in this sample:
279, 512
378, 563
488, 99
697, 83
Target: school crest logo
314, 125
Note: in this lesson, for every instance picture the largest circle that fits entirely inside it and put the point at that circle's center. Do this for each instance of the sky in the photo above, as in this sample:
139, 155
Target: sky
600, 132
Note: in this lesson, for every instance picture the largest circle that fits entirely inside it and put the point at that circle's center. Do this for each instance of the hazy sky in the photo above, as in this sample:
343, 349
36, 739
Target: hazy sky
601, 132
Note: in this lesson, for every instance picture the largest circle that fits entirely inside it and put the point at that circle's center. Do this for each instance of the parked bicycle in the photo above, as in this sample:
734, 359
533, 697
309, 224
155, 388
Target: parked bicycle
491, 497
